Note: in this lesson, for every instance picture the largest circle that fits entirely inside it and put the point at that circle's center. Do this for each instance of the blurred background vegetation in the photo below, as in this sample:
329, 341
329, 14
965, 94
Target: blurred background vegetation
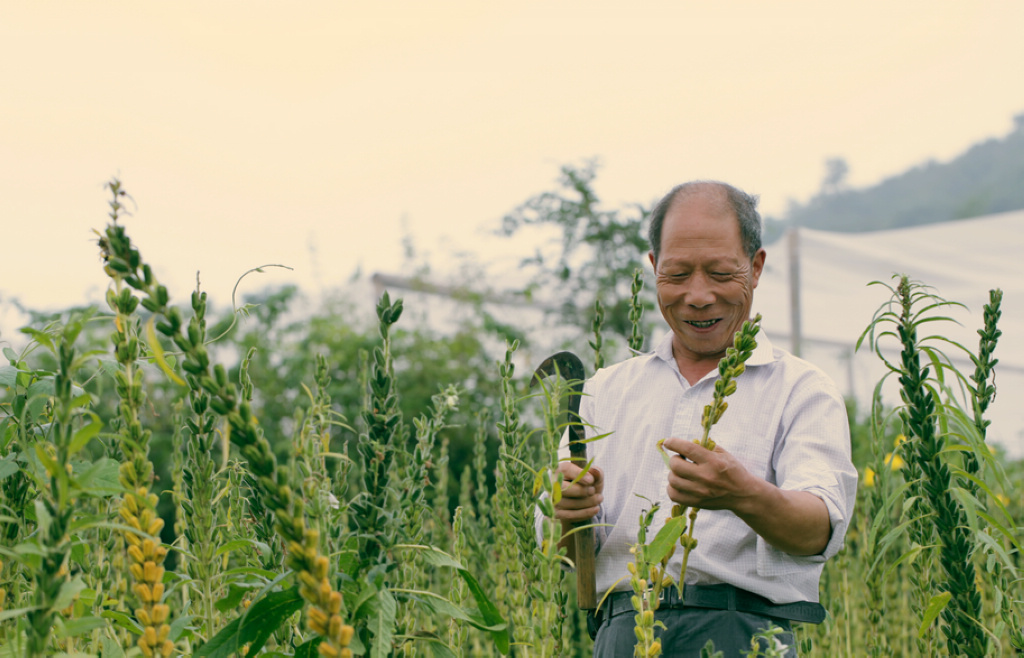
593, 253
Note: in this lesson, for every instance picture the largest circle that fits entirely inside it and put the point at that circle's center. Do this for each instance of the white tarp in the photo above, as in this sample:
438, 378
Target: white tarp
960, 260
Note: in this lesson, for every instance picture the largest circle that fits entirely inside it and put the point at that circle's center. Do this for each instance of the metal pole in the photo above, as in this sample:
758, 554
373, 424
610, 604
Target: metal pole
795, 328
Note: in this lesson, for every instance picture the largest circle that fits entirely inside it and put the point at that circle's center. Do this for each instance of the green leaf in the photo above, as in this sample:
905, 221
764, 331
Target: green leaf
255, 626
158, 354
234, 546
99, 478
67, 593
382, 624
112, 648
85, 434
124, 621
308, 649
47, 461
434, 557
666, 538
8, 467
179, 626
489, 612
439, 649
8, 376
234, 597
81, 626
11, 356
935, 606
43, 517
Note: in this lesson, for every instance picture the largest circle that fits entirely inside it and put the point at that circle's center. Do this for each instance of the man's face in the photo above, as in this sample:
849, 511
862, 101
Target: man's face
705, 280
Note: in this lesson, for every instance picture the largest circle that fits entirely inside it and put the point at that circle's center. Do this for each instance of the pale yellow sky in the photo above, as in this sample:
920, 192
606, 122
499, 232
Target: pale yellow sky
261, 132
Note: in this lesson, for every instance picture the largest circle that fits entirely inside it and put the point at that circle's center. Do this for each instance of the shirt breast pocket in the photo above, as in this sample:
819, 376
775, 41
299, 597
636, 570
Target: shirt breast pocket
751, 446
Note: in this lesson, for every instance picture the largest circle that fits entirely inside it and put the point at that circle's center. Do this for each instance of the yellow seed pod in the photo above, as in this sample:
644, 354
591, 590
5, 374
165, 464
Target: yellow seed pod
648, 619
346, 634
129, 517
143, 592
325, 649
319, 629
155, 526
165, 630
346, 653
132, 539
149, 549
145, 648
307, 593
158, 592
312, 538
145, 517
320, 567
334, 627
667, 582
631, 568
643, 584
655, 649
334, 604
325, 591
317, 616
143, 617
131, 504
151, 572
160, 613
136, 554
639, 633
149, 635
168, 648
137, 573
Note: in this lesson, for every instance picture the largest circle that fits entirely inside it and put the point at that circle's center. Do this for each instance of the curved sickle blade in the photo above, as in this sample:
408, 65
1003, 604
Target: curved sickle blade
570, 368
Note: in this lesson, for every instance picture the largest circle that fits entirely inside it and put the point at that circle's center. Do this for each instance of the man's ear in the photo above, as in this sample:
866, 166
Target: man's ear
757, 266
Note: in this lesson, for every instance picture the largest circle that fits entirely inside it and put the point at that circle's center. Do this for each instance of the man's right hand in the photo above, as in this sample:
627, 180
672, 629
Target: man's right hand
582, 500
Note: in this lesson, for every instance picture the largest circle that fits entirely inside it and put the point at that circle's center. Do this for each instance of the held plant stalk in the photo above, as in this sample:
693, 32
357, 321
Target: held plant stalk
730, 367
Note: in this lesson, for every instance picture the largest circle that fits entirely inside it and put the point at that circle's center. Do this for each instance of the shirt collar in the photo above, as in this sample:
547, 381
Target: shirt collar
763, 353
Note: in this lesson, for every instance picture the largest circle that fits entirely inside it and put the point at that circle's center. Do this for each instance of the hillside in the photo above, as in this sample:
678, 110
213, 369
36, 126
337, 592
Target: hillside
987, 178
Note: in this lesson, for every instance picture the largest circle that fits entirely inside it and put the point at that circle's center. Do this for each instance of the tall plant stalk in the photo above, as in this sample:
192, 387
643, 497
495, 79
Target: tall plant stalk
303, 557
731, 366
936, 511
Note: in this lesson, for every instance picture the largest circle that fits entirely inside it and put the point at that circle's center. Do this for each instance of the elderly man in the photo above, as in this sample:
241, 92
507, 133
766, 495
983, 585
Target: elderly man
776, 493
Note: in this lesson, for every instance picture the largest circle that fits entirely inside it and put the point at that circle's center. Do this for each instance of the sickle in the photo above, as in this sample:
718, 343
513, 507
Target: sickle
570, 368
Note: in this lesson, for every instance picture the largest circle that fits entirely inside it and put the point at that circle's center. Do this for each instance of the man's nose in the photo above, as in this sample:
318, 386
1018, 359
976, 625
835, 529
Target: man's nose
699, 292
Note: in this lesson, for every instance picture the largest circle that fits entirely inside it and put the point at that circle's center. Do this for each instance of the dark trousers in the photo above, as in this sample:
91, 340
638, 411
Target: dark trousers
687, 630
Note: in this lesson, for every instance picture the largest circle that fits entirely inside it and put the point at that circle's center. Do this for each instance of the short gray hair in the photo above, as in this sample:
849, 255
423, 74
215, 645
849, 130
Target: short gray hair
744, 207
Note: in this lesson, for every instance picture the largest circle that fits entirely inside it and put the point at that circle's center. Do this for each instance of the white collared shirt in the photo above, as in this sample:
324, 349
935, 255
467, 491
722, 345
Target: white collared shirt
786, 423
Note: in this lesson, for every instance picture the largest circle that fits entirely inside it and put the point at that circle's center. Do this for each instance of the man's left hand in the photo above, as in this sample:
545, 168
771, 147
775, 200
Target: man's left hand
708, 479
796, 522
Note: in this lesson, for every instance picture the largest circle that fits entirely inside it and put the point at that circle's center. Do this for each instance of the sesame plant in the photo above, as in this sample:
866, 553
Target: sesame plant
953, 519
179, 480
731, 366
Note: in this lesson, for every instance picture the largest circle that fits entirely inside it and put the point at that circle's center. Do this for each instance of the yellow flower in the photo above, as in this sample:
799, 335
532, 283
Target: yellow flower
899, 439
895, 461
1003, 499
869, 477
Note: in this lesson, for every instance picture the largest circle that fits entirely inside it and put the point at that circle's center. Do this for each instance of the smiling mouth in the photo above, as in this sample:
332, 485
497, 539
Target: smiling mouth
702, 324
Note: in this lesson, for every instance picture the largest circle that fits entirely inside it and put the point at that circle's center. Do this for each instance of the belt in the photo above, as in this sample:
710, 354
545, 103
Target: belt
718, 597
